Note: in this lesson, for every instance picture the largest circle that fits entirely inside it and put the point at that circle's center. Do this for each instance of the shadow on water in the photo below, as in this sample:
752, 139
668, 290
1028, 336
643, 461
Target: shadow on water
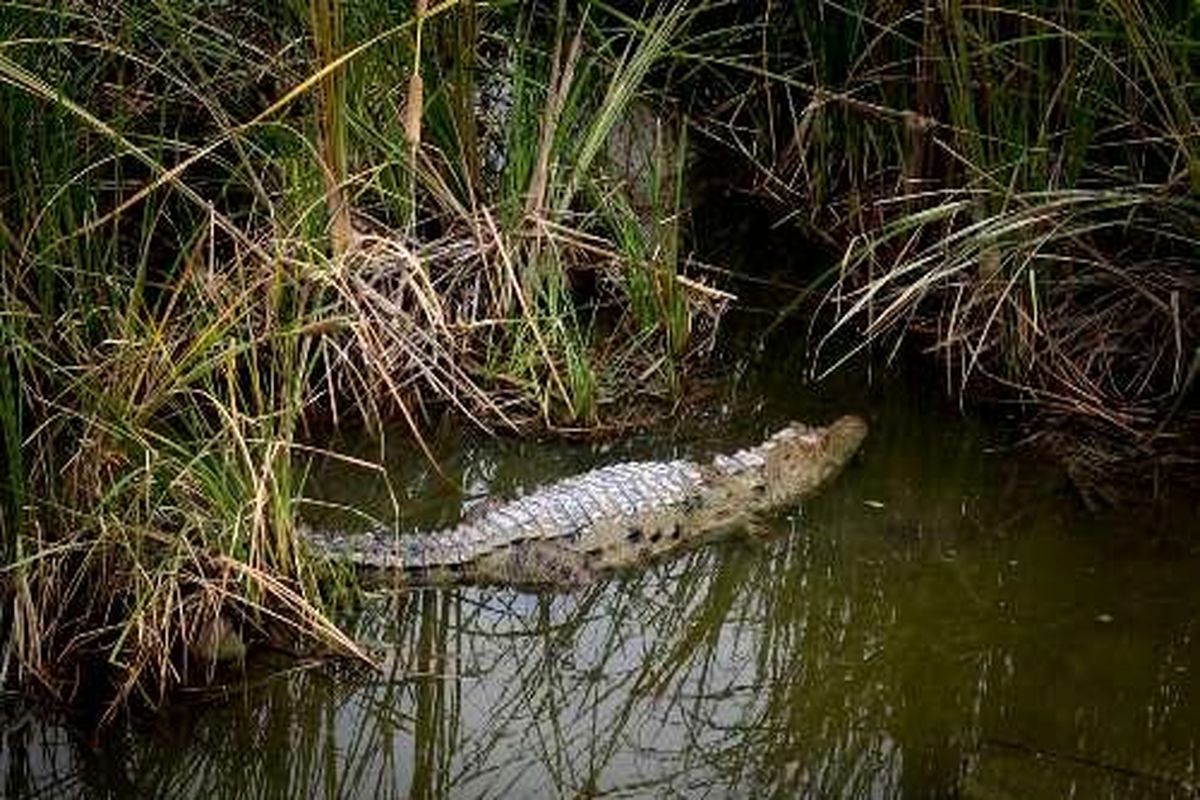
944, 620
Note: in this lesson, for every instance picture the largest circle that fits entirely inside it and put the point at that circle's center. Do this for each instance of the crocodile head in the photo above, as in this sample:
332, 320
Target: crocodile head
800, 458
792, 463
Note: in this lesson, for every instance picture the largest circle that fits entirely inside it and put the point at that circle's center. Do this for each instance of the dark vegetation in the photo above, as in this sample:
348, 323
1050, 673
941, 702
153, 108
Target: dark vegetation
227, 226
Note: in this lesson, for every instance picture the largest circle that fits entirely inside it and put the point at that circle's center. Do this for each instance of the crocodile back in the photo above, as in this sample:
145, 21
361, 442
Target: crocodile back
615, 498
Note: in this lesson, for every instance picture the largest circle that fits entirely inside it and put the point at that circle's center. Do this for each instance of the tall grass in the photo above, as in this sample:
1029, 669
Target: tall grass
1013, 186
226, 228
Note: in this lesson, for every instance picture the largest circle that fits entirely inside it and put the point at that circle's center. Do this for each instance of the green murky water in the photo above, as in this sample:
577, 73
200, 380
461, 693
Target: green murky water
944, 620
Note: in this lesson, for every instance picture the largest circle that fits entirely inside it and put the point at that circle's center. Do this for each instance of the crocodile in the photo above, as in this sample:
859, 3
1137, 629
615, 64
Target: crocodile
616, 516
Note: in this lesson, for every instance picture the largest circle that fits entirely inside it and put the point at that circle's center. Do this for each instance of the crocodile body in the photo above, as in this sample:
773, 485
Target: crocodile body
612, 517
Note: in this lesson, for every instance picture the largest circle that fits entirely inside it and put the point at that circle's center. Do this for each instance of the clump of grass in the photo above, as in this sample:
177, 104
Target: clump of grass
224, 230
1014, 187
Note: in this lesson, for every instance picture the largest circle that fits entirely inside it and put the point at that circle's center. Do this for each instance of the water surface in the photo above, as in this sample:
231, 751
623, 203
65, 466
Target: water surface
946, 619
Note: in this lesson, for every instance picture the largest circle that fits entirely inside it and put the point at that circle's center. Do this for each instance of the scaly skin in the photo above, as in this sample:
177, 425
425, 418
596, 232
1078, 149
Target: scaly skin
612, 517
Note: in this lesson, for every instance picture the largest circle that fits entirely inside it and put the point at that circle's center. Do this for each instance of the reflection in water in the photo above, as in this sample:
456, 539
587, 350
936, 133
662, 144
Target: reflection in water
942, 622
